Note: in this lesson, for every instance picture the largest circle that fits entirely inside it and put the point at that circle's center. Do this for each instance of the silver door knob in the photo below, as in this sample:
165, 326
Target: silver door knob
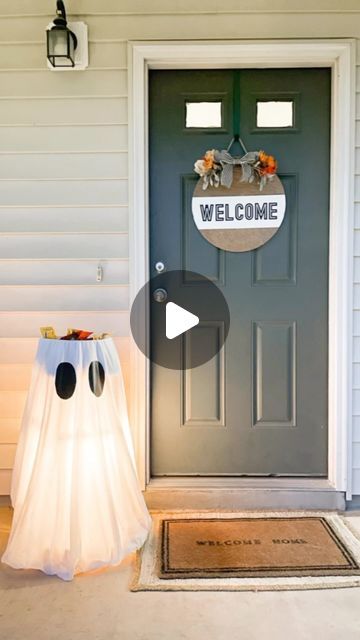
160, 295
159, 267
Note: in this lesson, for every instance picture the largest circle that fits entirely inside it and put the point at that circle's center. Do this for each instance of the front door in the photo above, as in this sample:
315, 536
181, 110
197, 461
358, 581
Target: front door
260, 406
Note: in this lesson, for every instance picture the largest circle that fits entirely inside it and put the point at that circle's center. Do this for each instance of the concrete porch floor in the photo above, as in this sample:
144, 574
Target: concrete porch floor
99, 606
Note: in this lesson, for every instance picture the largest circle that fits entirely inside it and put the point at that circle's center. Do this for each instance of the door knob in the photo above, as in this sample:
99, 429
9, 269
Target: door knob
160, 295
159, 267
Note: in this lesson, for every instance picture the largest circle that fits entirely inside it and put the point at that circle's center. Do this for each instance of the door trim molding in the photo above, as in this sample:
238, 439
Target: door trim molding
339, 54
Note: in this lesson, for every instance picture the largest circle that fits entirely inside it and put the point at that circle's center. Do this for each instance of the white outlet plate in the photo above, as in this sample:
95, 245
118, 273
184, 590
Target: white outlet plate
81, 52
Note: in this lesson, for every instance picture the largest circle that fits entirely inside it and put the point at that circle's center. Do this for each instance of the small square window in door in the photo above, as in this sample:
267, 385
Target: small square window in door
274, 113
203, 115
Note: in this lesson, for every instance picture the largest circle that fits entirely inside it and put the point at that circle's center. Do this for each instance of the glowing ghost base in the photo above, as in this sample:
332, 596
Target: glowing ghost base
77, 503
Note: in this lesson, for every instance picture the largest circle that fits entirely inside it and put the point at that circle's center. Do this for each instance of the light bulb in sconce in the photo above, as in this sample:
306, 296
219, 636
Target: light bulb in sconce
60, 43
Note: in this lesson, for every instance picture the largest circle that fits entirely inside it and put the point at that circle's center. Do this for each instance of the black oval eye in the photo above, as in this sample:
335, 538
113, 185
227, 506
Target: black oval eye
65, 380
96, 377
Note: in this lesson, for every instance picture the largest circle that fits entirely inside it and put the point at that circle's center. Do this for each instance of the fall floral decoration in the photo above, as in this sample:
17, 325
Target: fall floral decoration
209, 169
268, 164
217, 167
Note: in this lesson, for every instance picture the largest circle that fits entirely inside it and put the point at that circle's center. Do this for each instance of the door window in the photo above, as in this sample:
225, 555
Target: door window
274, 113
203, 115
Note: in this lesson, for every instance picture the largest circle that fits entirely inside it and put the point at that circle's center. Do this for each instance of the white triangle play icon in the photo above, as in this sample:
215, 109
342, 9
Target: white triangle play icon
178, 320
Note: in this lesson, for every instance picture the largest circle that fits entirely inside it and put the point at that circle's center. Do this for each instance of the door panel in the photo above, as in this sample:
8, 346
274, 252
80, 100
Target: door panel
260, 406
275, 262
196, 254
203, 391
274, 382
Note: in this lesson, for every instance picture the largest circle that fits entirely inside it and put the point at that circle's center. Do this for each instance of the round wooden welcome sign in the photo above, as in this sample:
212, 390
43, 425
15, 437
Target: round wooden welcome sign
239, 218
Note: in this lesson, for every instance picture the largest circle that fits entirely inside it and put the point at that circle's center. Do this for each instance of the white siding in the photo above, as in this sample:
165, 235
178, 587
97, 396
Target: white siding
63, 169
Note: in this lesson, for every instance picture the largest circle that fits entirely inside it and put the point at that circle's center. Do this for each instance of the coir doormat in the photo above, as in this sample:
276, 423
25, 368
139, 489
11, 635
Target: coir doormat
249, 551
251, 547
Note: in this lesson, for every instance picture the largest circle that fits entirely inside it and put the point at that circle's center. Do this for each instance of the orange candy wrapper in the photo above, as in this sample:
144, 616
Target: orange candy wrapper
77, 334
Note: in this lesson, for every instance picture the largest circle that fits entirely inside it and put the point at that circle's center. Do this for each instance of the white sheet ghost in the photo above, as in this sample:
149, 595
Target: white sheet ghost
77, 502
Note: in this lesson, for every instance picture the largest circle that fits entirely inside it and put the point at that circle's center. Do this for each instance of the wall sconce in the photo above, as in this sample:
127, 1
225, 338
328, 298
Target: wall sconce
67, 42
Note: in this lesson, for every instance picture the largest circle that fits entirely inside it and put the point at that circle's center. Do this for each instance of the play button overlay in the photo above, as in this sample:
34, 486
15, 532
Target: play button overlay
180, 319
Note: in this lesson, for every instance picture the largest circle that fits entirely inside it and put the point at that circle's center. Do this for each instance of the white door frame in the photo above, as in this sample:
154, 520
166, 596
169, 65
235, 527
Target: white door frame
340, 56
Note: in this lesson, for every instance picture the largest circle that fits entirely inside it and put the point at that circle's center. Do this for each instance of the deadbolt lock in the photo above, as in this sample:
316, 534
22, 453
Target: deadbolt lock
160, 295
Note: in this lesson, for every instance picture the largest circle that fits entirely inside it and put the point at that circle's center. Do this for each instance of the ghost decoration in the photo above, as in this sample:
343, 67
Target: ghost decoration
77, 502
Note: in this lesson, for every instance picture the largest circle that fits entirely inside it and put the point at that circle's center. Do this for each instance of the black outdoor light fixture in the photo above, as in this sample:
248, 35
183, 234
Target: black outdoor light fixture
61, 42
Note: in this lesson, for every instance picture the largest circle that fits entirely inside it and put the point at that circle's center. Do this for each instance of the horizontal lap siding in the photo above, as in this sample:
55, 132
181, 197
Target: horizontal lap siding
45, 110
64, 219
64, 168
63, 138
191, 25
173, 7
64, 245
63, 206
60, 272
100, 82
24, 324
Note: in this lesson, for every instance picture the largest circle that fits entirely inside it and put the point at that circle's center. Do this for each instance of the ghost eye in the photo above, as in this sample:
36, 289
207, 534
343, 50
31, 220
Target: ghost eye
96, 378
65, 380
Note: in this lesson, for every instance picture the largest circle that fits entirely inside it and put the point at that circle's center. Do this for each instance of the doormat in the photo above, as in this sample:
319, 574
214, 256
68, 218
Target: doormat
251, 547
255, 551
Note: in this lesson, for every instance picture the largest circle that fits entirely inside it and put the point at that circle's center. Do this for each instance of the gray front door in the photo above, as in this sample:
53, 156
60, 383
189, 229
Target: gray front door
260, 406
